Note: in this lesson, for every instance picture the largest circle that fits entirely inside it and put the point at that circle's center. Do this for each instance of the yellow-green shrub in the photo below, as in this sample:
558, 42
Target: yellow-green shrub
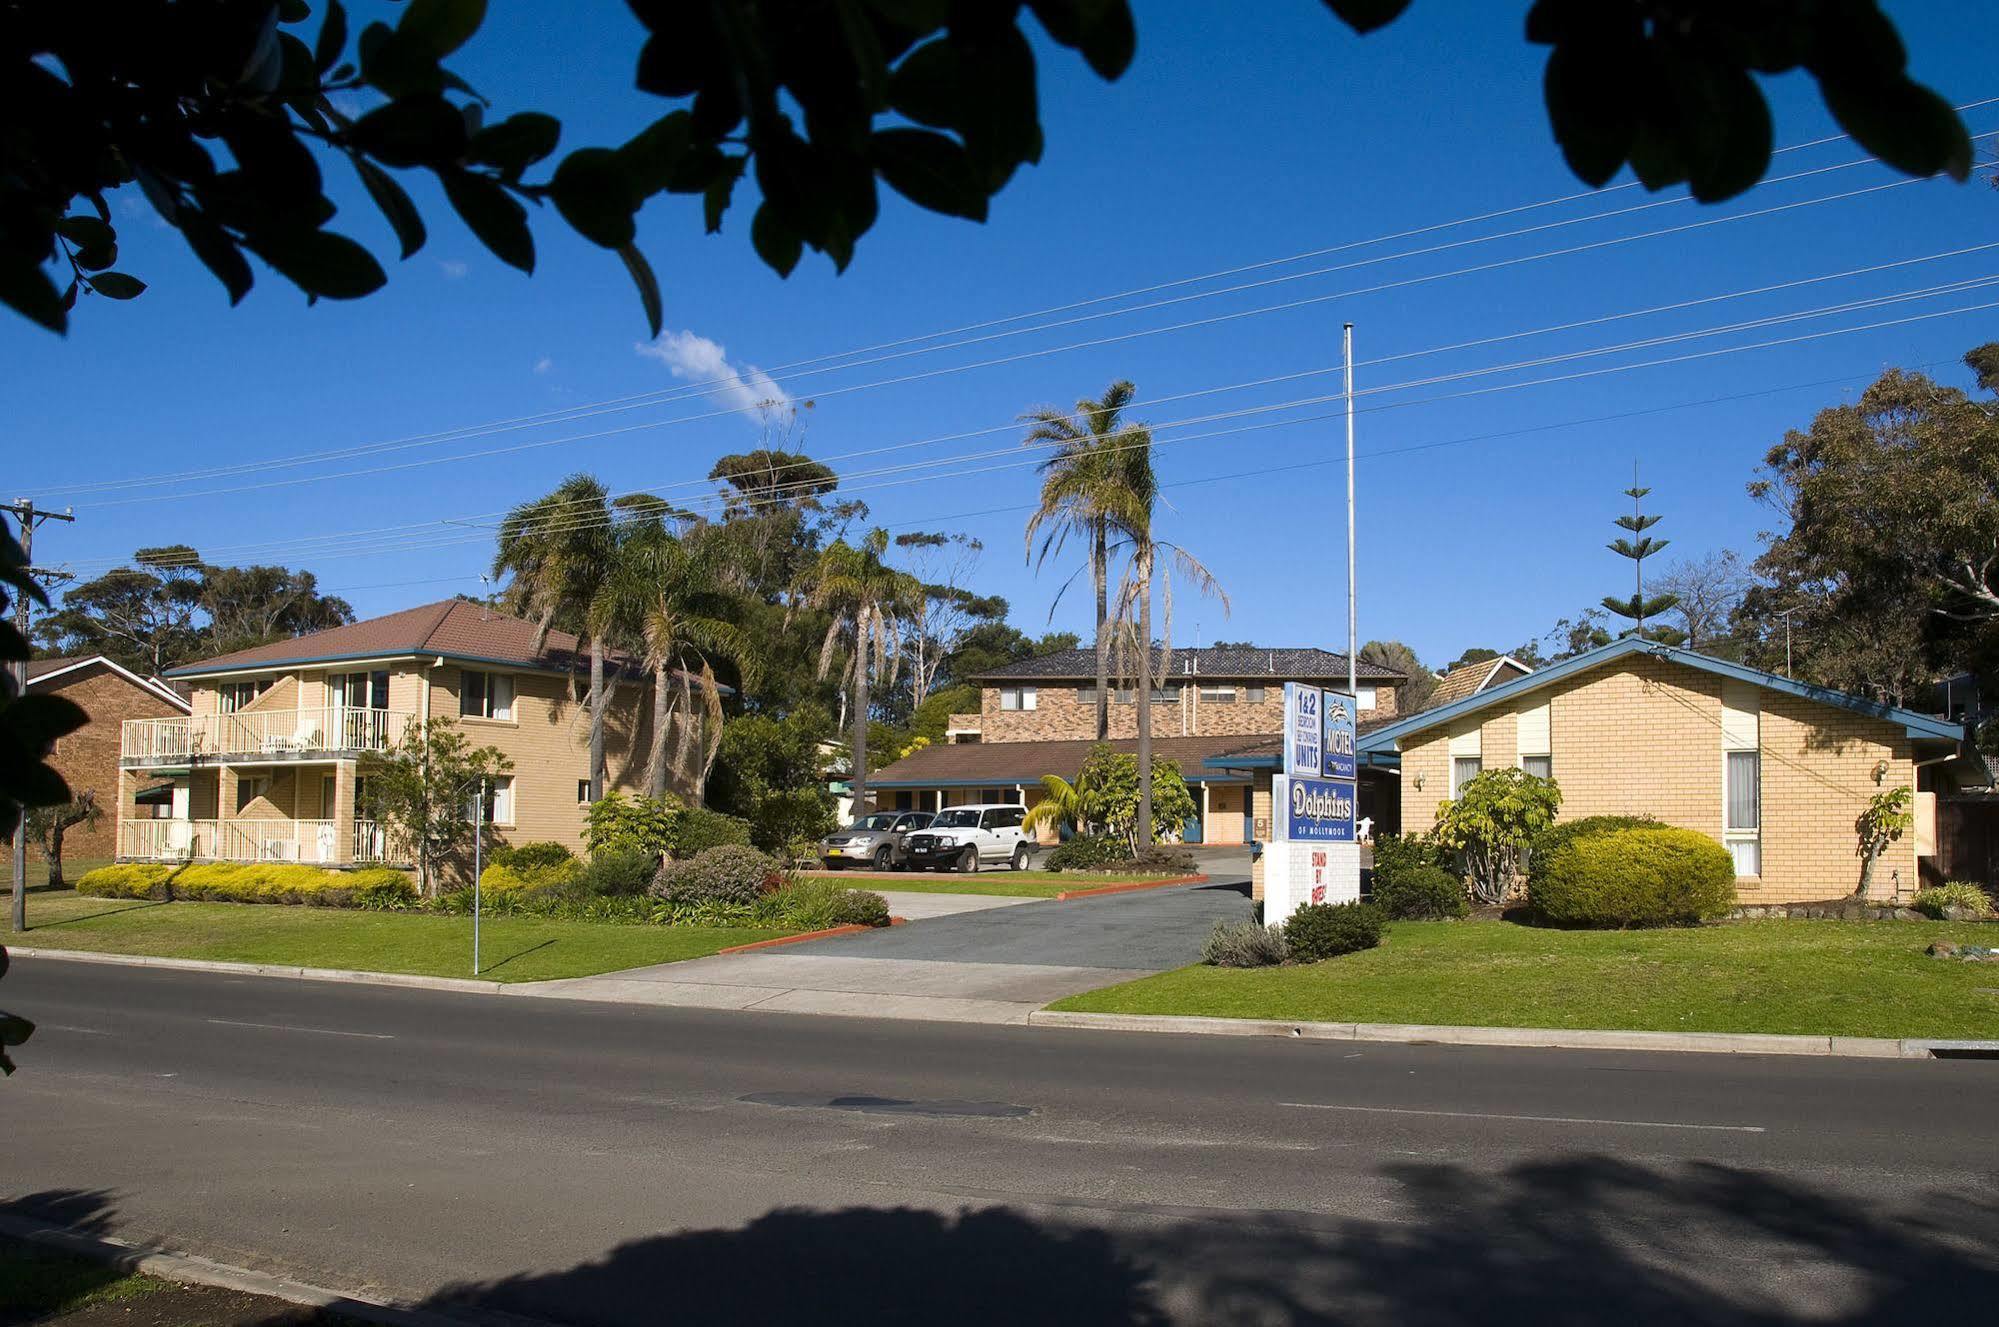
258, 882
132, 880
1634, 877
511, 879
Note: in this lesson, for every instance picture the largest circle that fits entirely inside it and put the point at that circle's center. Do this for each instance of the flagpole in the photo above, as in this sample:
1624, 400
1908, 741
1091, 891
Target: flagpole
1353, 608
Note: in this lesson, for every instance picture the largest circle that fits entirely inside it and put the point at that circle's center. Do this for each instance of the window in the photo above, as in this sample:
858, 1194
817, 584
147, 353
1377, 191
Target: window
1463, 770
500, 800
1363, 698
1166, 695
486, 695
1212, 695
1742, 777
233, 696
1005, 818
249, 788
583, 790
1017, 698
1745, 791
1256, 695
1541, 767
369, 691
1086, 695
329, 797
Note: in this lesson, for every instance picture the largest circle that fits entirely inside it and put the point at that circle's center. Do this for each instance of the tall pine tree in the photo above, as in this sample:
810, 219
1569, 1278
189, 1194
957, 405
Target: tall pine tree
1637, 545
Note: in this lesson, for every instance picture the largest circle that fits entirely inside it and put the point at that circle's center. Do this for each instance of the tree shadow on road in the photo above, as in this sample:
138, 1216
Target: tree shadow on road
1595, 1240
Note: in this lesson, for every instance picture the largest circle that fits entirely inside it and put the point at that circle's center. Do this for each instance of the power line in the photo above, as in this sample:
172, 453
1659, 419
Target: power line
433, 540
850, 359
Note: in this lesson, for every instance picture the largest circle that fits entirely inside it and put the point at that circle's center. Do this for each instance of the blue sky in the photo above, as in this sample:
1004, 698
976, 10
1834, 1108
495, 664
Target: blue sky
1232, 141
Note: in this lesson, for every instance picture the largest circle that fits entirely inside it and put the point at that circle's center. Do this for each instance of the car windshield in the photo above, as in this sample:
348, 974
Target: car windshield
956, 820
885, 821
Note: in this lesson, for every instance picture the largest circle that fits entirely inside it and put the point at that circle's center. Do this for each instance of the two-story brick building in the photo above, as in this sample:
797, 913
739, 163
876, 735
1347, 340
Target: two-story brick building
1039, 717
265, 767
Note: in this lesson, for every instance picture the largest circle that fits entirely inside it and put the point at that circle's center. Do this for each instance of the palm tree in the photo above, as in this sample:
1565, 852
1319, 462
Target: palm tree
560, 551
1098, 481
668, 604
1062, 803
865, 598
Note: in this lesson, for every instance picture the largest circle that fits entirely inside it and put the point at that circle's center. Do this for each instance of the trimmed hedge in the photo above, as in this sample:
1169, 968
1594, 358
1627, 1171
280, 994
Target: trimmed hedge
619, 872
1634, 877
1243, 944
1088, 852
698, 829
515, 877
1420, 893
538, 855
732, 873
377, 888
1395, 854
1568, 831
1320, 931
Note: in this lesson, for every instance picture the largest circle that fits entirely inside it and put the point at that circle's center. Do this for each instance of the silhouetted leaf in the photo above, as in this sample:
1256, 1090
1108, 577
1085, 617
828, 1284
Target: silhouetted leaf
321, 263
117, 285
494, 215
515, 143
648, 284
411, 131
440, 27
776, 242
1367, 15
1903, 123
930, 170
594, 195
394, 203
1590, 105
1101, 29
332, 37
218, 253
655, 156
27, 290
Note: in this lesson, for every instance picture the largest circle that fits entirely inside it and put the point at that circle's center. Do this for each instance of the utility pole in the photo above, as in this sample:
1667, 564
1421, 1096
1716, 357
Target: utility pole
23, 511
1353, 604
1786, 615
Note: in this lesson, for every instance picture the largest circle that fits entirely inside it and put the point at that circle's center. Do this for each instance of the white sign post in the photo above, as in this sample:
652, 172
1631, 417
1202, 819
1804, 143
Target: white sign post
1313, 855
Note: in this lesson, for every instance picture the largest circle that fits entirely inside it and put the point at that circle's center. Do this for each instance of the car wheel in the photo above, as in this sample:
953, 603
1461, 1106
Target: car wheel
968, 860
1020, 857
884, 857
831, 864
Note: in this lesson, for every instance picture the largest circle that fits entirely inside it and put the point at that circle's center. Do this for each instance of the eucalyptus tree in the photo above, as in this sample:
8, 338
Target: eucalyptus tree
559, 553
1097, 482
866, 599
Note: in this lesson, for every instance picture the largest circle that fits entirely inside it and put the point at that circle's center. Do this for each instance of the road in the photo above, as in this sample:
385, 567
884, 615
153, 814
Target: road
618, 1164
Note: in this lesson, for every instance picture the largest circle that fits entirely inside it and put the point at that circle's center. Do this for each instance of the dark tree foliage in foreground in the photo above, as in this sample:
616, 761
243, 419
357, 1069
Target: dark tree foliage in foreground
228, 113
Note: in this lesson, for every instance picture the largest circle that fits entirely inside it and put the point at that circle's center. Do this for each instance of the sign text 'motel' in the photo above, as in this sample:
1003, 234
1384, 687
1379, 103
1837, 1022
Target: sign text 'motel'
1337, 750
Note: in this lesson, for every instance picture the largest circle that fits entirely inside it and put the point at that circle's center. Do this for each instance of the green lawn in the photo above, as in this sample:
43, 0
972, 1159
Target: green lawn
38, 1283
513, 949
1009, 884
38, 870
1861, 979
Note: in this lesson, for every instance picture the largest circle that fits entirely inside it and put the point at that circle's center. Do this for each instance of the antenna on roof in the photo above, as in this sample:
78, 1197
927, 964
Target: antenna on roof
485, 598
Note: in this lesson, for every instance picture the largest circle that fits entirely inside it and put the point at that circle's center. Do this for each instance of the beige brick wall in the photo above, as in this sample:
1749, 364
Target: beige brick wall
1643, 737
1061, 715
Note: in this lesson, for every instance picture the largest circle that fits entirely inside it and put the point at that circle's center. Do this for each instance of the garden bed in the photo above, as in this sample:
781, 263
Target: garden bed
1827, 978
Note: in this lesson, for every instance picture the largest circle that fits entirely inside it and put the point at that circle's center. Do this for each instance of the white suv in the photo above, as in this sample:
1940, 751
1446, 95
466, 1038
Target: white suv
961, 838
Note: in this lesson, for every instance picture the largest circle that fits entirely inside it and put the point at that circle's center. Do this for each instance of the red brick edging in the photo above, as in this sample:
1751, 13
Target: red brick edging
849, 929
1130, 886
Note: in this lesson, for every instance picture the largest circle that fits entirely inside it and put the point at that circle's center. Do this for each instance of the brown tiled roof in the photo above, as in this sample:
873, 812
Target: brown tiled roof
37, 667
1220, 664
1272, 747
1472, 679
53, 669
1003, 764
454, 628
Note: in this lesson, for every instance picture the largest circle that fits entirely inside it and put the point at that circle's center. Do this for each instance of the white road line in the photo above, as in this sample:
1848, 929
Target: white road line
64, 1027
286, 1027
1532, 1119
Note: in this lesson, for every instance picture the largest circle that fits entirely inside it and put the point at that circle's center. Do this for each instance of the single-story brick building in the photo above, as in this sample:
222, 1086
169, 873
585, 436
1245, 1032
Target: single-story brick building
87, 759
1775, 770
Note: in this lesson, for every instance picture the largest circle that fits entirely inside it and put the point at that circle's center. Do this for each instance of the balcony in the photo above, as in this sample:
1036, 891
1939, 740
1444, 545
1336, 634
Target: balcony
310, 842
261, 736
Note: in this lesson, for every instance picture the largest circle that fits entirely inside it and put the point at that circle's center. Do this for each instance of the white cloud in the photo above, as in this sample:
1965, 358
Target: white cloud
744, 388
544, 364
452, 268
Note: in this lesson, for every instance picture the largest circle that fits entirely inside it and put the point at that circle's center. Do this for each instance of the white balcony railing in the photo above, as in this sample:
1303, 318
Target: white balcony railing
312, 842
261, 734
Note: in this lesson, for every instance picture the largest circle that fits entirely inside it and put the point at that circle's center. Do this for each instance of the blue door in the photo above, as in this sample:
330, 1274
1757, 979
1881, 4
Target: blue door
1192, 832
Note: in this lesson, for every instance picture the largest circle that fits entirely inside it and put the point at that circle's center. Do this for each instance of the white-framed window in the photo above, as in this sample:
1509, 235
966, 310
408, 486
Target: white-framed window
1463, 770
1019, 698
1214, 695
1169, 695
1255, 695
486, 695
1541, 767
1742, 777
360, 691
1363, 698
233, 696
583, 790
500, 800
1086, 695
